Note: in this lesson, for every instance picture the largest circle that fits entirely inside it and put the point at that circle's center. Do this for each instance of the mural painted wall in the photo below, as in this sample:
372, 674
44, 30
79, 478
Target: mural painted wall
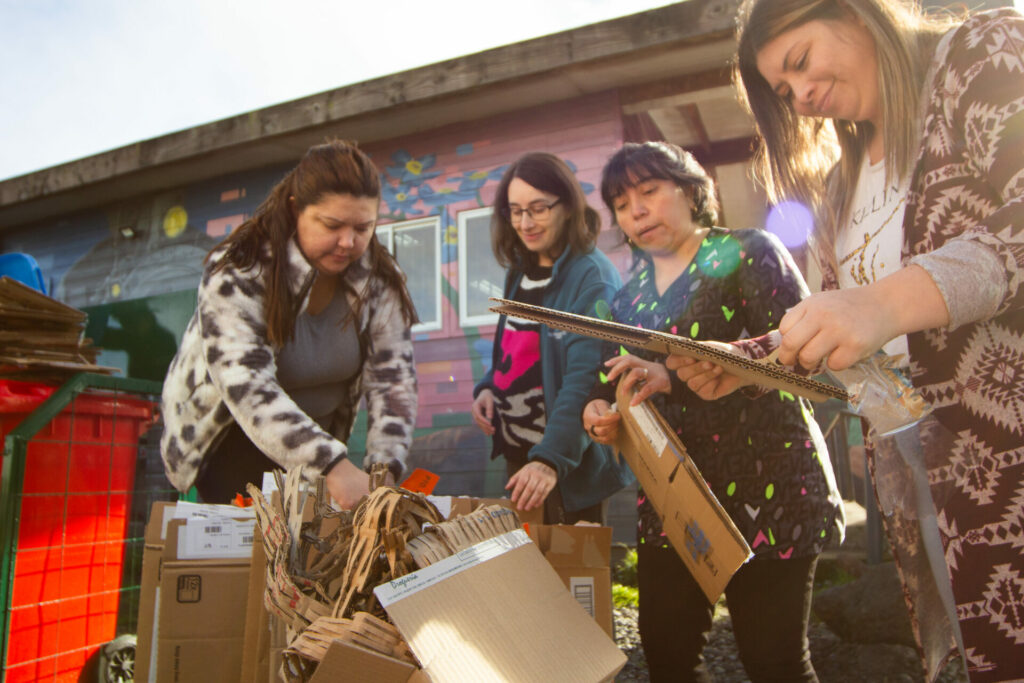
134, 265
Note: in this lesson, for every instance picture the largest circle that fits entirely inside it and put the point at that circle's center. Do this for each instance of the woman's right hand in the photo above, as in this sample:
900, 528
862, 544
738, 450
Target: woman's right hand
704, 378
347, 484
483, 411
601, 423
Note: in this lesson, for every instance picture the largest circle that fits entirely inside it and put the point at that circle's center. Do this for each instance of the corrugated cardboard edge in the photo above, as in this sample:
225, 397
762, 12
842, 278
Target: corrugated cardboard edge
255, 647
505, 617
149, 587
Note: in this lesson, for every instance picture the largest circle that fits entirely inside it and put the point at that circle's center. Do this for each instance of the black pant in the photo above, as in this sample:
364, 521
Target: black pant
230, 465
769, 602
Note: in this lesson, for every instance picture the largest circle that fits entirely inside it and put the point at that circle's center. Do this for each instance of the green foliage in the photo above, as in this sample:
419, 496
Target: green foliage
625, 571
624, 596
831, 574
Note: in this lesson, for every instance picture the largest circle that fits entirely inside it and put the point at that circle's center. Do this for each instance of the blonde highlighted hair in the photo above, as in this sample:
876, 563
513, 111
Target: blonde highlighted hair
817, 161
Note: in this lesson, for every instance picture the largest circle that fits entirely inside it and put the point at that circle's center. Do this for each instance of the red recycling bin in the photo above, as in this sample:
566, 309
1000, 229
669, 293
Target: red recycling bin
74, 504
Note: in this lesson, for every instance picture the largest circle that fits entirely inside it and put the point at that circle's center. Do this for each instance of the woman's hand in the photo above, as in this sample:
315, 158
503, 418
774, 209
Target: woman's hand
840, 326
347, 484
483, 411
531, 484
600, 422
846, 325
705, 378
648, 376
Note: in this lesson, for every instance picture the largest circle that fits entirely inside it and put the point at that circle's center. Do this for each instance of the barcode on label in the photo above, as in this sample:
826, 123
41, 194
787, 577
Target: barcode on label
212, 529
247, 540
582, 588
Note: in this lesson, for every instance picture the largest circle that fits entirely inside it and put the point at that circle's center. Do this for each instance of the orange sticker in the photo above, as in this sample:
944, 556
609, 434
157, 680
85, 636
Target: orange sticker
241, 501
421, 481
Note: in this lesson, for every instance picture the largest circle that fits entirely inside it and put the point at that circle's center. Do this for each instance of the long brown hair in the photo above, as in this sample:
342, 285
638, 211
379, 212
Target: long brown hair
547, 173
817, 161
334, 167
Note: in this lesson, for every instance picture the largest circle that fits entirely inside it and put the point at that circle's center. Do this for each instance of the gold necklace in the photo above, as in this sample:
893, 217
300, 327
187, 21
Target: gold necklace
860, 274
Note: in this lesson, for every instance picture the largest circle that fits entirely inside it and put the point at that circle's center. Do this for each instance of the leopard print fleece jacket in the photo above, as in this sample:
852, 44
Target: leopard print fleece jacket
225, 370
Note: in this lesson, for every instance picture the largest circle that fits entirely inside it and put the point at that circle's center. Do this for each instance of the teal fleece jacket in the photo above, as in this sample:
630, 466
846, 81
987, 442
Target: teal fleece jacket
587, 471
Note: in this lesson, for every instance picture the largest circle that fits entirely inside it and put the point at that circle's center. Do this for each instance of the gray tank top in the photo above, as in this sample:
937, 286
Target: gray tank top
316, 367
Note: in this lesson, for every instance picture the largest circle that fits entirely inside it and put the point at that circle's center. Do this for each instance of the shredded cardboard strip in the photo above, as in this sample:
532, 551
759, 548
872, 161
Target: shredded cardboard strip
323, 563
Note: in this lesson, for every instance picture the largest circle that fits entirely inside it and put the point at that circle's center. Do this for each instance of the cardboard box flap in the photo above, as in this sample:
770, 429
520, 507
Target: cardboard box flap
353, 664
574, 546
498, 611
458, 506
206, 601
699, 528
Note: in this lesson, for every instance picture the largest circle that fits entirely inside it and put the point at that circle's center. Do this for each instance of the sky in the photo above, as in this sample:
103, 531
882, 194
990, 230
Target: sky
79, 77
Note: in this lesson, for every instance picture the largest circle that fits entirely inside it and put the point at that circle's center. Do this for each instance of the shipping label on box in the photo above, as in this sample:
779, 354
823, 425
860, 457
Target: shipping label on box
498, 611
699, 529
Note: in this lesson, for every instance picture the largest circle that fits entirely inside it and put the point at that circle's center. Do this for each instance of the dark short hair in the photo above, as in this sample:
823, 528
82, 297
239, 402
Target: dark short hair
636, 162
547, 173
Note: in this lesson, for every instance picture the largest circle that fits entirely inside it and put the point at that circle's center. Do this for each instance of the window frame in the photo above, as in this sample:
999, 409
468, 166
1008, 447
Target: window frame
417, 224
466, 320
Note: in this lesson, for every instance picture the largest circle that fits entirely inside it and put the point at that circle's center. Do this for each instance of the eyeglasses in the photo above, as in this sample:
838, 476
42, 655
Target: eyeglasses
538, 211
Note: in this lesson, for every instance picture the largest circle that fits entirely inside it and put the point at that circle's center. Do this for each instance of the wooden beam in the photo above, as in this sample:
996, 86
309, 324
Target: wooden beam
641, 127
724, 151
692, 115
672, 87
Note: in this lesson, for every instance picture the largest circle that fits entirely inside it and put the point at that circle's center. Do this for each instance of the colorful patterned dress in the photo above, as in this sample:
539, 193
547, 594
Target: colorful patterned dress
764, 458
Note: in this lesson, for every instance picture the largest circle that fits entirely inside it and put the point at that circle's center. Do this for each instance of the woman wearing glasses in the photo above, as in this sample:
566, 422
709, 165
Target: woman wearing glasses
530, 400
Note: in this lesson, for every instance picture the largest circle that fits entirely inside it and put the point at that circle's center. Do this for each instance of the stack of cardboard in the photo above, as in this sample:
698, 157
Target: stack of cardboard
493, 610
40, 337
195, 572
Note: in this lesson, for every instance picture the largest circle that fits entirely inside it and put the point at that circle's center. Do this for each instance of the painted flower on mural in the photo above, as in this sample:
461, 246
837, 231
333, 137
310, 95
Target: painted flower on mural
467, 188
472, 181
410, 171
399, 200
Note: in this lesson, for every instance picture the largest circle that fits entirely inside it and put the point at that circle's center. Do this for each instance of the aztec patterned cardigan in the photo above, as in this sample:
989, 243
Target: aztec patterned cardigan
225, 370
968, 184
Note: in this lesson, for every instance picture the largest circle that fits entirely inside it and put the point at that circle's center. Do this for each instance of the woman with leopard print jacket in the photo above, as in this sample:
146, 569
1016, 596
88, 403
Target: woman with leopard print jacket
301, 314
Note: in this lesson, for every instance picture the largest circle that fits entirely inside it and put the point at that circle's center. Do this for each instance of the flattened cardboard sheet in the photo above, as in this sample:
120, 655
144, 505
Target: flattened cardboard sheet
497, 611
697, 525
764, 372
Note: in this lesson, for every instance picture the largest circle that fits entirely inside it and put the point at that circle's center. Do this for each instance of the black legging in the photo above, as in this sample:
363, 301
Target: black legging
769, 602
233, 463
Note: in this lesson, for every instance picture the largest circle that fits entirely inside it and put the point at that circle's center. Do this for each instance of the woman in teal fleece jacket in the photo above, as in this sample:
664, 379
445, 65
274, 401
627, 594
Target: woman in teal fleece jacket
531, 399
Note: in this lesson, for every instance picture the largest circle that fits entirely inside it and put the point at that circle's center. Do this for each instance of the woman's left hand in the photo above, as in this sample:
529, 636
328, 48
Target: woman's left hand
635, 372
531, 484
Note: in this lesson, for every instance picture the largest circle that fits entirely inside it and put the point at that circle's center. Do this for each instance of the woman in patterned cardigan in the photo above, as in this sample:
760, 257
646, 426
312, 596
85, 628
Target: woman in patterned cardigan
905, 134
301, 314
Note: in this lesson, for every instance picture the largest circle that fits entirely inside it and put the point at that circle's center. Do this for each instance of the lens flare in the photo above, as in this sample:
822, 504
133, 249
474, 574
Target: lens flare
791, 222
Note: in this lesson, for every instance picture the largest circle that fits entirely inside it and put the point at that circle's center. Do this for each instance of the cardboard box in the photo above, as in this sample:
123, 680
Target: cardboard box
354, 664
256, 638
497, 611
700, 530
191, 614
581, 556
457, 506
149, 593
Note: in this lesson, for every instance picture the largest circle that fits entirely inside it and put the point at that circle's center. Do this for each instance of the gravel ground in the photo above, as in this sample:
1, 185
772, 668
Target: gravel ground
835, 661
